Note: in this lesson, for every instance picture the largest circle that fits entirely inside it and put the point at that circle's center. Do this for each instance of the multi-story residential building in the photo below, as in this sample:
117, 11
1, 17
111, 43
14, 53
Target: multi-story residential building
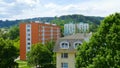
65, 49
35, 32
70, 29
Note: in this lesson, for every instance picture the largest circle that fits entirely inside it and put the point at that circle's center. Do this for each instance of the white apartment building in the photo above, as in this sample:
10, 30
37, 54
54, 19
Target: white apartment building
70, 29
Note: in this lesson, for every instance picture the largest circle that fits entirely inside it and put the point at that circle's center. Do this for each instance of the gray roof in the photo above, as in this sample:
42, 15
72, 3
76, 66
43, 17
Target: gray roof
71, 39
76, 36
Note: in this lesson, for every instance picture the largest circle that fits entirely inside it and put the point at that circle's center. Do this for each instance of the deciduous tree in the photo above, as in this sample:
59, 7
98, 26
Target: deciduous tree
39, 55
14, 32
8, 53
103, 49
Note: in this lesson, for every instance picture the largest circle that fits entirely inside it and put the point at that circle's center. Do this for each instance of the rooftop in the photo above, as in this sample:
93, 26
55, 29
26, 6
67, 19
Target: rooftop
77, 36
71, 39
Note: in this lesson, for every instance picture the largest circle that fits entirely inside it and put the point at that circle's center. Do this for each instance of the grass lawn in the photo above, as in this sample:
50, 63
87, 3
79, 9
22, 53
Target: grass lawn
22, 64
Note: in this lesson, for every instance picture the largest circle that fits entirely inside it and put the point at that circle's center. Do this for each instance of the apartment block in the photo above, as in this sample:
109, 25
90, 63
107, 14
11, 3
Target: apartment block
70, 29
36, 32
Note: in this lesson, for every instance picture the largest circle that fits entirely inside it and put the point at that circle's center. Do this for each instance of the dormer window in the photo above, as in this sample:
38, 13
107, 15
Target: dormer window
76, 44
64, 45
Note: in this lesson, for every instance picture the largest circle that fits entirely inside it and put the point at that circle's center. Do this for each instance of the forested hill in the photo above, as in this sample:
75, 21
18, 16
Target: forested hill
58, 20
76, 19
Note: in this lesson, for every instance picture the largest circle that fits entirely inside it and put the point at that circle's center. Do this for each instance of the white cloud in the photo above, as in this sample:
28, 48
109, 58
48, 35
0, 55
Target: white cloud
28, 2
35, 8
93, 8
51, 5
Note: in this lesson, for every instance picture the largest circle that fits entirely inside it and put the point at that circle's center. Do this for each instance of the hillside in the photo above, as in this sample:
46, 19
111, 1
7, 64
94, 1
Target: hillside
76, 19
58, 20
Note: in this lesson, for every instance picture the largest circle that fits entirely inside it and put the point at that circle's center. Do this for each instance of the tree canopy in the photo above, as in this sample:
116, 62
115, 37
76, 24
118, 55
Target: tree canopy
50, 46
11, 33
8, 53
103, 49
14, 32
39, 55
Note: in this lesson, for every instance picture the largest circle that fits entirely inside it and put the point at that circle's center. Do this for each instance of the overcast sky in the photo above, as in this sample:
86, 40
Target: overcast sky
22, 9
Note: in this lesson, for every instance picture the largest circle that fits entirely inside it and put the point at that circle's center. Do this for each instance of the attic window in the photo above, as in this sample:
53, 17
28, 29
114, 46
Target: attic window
64, 45
76, 44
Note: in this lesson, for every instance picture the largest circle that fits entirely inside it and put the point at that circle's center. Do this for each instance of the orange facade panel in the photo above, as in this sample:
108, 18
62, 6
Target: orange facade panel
35, 33
22, 41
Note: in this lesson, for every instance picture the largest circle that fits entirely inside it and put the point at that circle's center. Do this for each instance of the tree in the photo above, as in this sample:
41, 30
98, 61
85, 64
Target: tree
103, 49
38, 56
16, 43
8, 53
50, 46
93, 27
4, 33
13, 32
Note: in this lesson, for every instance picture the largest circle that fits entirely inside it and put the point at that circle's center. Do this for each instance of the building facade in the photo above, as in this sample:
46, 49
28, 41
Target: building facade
65, 49
70, 29
35, 32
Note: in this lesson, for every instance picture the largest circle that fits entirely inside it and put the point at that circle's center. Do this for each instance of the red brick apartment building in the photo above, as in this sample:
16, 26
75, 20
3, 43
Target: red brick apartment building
34, 32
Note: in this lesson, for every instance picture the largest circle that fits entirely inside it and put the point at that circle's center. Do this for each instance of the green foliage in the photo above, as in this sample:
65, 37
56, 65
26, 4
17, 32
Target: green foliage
22, 64
16, 43
8, 53
50, 46
39, 55
11, 34
8, 23
14, 32
42, 55
80, 18
93, 27
103, 49
76, 19
4, 33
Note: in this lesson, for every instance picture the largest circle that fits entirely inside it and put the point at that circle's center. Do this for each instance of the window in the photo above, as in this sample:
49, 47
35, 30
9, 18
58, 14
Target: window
43, 30
28, 39
64, 45
28, 48
28, 25
28, 34
28, 30
64, 55
40, 30
43, 34
77, 44
28, 43
64, 65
